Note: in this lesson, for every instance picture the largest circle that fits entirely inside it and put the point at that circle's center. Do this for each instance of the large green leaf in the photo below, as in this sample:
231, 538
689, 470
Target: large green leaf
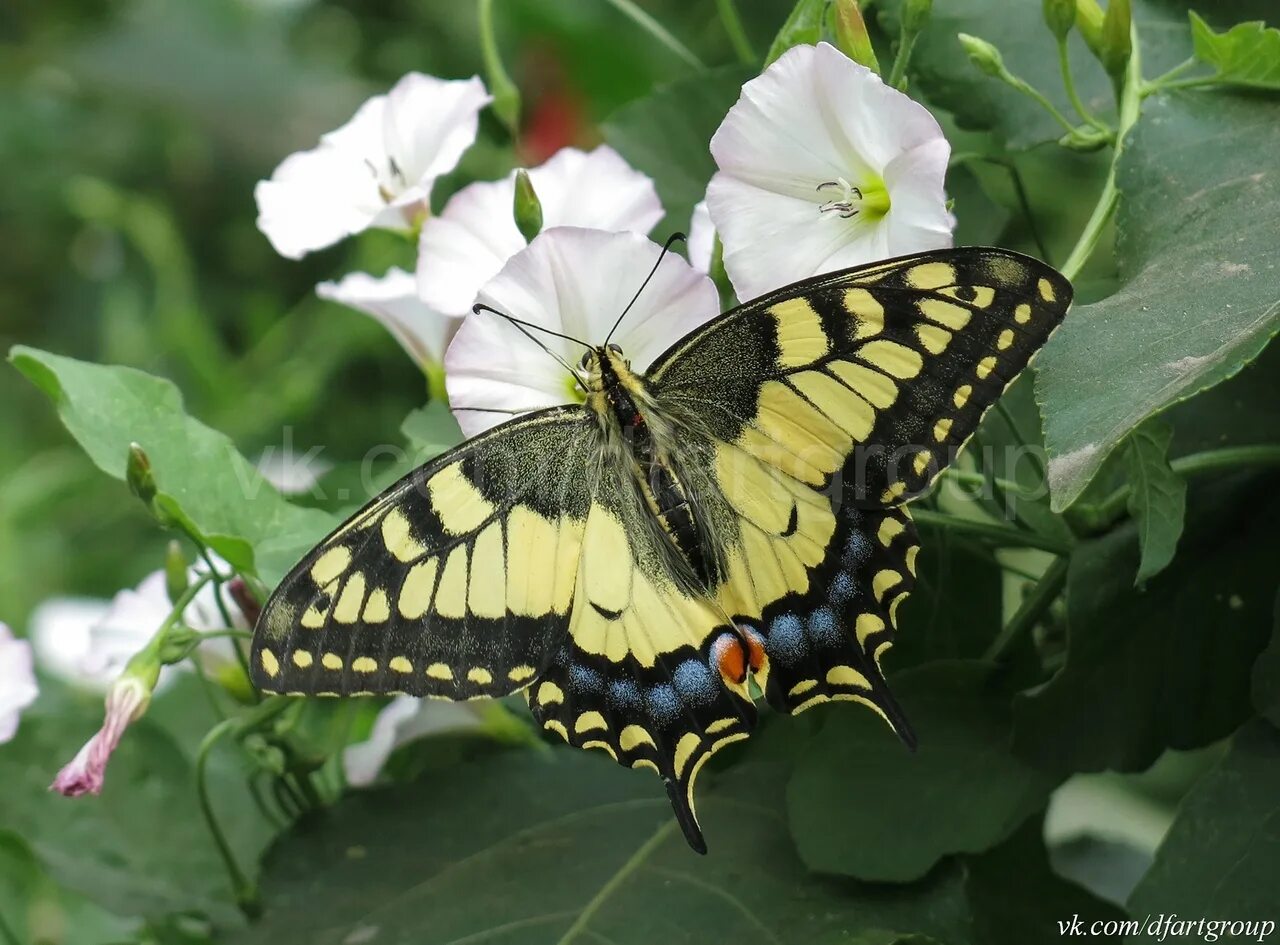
668, 135
533, 849
1246, 54
200, 477
1168, 665
35, 910
1221, 857
1017, 898
1199, 298
1157, 496
861, 805
141, 848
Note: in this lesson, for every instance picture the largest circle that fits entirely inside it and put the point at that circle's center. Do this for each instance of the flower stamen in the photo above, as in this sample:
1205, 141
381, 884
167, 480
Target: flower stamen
845, 202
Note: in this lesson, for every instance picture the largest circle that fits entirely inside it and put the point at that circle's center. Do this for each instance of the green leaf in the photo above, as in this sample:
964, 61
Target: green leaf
35, 910
1167, 665
431, 430
1017, 897
667, 136
141, 848
954, 612
860, 804
1247, 54
1266, 675
1157, 496
1221, 857
200, 477
803, 25
566, 846
1199, 298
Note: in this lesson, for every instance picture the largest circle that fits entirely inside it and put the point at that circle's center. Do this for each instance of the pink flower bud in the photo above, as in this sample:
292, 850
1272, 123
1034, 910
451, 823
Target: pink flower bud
127, 700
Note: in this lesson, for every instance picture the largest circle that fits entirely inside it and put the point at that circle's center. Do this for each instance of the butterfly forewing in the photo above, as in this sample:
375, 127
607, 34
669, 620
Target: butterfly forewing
456, 582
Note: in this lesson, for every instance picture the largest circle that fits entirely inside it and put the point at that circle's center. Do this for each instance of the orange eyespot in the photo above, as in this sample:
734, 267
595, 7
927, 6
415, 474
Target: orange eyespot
730, 658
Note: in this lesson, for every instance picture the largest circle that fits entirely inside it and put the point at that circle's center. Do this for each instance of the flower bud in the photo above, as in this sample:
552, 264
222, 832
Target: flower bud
851, 35
915, 14
137, 473
527, 209
244, 598
1060, 15
1089, 22
1116, 43
127, 700
175, 571
983, 55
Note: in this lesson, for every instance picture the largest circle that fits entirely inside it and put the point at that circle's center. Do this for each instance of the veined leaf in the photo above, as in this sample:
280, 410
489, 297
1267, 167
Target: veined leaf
1247, 54
200, 477
1157, 496
1199, 296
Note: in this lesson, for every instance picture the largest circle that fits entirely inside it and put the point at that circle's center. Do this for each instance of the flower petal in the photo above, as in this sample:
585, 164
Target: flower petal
575, 281
404, 719
427, 125
473, 237
393, 300
702, 238
918, 217
18, 687
315, 198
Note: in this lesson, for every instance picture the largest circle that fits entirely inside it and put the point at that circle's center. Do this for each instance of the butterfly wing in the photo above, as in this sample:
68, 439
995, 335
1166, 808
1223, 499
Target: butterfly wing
455, 582
827, 404
649, 673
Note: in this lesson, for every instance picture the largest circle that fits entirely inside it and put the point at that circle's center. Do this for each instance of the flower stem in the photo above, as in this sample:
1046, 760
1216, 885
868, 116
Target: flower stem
1069, 82
1130, 109
657, 31
1162, 81
1111, 509
898, 72
998, 534
737, 35
506, 97
1043, 594
245, 891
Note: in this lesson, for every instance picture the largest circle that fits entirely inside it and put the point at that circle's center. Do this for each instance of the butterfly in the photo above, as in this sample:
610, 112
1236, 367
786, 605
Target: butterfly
733, 516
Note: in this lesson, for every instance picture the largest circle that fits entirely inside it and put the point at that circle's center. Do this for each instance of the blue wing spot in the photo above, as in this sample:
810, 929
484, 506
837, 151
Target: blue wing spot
824, 628
585, 679
624, 695
842, 590
857, 548
664, 704
694, 682
787, 642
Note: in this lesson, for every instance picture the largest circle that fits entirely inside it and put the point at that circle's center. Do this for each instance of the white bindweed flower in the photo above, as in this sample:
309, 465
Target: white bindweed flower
377, 170
87, 642
402, 720
823, 166
18, 687
393, 300
576, 282
474, 236
702, 238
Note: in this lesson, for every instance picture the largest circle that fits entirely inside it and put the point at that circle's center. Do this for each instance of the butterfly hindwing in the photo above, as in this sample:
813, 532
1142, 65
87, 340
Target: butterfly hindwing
827, 404
456, 582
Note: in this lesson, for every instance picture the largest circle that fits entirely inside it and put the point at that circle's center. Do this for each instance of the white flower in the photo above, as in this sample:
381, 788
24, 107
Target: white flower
393, 301
376, 170
473, 237
87, 642
702, 238
405, 719
577, 282
823, 166
17, 681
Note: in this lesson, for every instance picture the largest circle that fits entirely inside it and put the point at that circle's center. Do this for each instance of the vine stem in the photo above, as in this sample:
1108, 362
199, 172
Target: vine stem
737, 34
246, 892
899, 69
1037, 604
1130, 109
657, 31
1068, 80
999, 534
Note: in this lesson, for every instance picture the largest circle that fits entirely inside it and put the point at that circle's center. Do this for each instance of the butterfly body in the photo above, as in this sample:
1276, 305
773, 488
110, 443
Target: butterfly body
734, 513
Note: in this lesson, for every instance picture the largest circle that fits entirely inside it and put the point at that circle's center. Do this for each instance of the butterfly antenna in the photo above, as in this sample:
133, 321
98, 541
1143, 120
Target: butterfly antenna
521, 325
674, 237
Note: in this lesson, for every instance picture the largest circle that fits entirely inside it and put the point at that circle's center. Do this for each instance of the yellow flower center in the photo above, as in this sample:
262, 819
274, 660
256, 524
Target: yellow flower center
869, 199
